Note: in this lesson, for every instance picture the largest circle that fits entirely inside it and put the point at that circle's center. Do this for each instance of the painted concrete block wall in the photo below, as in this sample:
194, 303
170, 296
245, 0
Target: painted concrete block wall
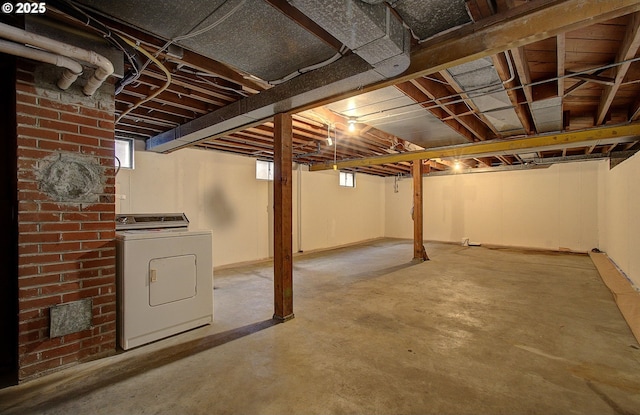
216, 191
554, 208
66, 218
620, 233
334, 215
220, 192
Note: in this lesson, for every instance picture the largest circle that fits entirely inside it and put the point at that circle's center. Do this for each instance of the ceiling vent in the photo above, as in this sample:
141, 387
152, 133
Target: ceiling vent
369, 30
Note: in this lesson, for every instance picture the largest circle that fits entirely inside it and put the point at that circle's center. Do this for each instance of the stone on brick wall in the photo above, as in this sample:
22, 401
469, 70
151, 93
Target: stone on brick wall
71, 178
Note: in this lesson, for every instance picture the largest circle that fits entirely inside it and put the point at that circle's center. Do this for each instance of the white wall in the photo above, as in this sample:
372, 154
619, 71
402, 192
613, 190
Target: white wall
335, 215
553, 208
576, 206
620, 233
219, 191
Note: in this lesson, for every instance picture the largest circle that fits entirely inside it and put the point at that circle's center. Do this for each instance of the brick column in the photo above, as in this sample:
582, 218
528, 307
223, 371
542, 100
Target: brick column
66, 213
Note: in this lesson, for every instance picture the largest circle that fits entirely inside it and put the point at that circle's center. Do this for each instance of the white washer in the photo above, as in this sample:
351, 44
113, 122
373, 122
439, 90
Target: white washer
164, 283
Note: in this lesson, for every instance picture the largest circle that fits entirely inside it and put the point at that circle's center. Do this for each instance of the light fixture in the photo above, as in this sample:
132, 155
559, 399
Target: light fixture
457, 165
352, 124
329, 141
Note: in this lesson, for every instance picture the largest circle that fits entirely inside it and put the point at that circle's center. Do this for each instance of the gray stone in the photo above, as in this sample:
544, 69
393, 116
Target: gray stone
70, 317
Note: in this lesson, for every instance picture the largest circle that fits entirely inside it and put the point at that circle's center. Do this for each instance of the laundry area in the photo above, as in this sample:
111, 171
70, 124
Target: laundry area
473, 330
164, 277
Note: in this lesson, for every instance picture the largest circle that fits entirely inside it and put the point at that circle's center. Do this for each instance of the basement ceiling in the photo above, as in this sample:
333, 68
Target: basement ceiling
235, 63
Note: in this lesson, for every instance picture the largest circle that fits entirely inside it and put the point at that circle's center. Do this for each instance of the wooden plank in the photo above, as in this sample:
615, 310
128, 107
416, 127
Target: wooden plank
625, 296
440, 94
419, 252
514, 90
306, 23
627, 51
518, 27
283, 217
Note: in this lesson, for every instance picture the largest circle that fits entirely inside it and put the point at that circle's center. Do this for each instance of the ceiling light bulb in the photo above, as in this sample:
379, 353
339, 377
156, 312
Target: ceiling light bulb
352, 124
457, 165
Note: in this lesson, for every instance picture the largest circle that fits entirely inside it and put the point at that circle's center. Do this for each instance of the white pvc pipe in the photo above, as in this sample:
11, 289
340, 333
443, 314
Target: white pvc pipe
105, 67
72, 68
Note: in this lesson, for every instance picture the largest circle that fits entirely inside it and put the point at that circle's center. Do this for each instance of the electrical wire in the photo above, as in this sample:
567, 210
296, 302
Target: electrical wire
310, 68
156, 93
486, 90
335, 148
198, 32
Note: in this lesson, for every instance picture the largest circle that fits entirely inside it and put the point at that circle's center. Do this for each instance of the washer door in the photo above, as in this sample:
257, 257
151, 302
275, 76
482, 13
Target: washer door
172, 279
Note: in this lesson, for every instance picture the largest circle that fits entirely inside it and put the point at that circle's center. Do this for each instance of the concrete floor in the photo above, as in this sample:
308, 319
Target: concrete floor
474, 330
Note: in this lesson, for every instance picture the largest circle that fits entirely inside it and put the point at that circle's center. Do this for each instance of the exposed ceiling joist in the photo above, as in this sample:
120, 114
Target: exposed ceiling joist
628, 51
517, 27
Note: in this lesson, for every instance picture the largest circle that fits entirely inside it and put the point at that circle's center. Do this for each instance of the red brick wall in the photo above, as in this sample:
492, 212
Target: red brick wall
66, 249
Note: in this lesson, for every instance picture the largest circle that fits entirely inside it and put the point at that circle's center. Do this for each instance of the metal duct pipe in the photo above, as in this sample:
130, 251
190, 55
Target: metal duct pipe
369, 30
313, 153
72, 68
105, 67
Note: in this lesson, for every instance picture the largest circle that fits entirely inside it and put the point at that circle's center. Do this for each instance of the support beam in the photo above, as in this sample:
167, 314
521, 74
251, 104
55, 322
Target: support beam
419, 252
498, 147
283, 218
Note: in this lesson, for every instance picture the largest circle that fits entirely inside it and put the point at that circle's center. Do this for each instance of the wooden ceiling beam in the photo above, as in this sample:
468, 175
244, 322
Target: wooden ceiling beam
602, 80
561, 59
305, 22
531, 22
413, 92
468, 101
439, 93
192, 88
167, 97
512, 84
166, 109
627, 51
480, 9
502, 62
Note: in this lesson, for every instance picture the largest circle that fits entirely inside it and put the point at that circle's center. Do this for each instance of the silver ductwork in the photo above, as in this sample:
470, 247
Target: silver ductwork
369, 30
547, 114
381, 47
480, 81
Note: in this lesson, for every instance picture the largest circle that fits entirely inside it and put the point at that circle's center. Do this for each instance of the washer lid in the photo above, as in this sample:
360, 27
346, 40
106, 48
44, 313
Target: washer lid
151, 221
141, 234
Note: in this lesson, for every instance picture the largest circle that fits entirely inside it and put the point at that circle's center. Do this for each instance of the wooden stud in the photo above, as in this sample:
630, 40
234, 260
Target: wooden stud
283, 218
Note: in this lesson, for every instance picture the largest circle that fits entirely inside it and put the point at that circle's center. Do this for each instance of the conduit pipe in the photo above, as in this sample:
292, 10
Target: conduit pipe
159, 65
104, 66
72, 68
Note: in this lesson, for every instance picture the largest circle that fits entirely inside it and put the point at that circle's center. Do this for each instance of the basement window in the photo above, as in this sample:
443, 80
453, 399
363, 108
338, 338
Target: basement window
347, 179
124, 153
264, 170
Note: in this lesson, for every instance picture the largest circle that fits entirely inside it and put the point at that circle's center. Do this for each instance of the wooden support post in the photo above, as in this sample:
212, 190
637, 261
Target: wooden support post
419, 251
283, 218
